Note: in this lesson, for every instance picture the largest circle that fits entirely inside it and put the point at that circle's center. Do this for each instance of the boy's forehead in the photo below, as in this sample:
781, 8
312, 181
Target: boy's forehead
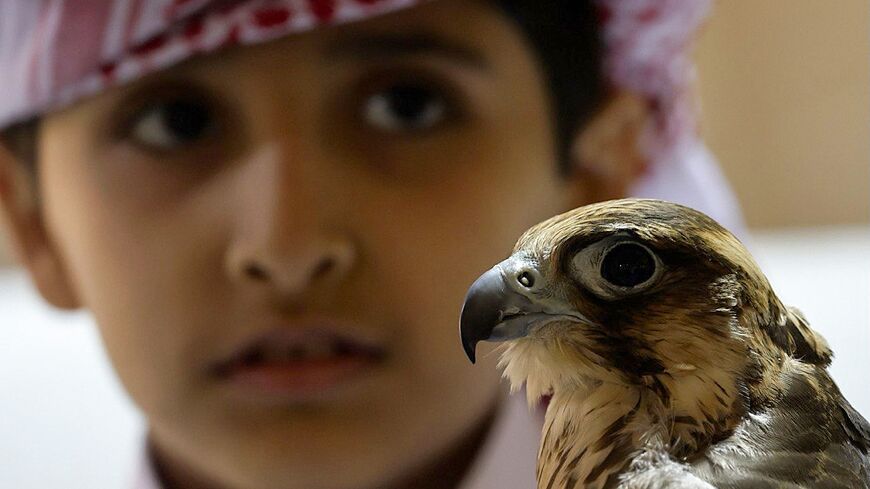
479, 40
56, 52
49, 60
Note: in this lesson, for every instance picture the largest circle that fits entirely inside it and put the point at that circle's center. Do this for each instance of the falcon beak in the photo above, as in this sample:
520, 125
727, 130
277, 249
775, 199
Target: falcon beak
497, 309
486, 303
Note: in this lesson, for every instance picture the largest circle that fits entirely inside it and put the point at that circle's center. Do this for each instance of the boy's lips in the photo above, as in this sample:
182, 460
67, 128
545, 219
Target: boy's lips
298, 363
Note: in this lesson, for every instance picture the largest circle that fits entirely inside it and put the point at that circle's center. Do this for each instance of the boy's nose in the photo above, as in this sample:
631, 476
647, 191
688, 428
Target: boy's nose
294, 271
285, 235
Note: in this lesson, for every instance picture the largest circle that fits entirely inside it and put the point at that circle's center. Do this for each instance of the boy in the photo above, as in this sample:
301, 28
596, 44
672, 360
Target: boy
274, 238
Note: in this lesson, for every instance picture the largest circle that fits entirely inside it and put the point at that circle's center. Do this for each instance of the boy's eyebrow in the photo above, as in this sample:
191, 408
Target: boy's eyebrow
386, 45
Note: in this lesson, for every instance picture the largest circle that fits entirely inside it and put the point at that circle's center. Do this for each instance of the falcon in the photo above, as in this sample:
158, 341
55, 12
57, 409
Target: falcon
668, 359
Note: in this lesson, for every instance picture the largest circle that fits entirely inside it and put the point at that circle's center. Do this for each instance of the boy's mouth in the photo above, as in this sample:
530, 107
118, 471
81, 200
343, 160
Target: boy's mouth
300, 364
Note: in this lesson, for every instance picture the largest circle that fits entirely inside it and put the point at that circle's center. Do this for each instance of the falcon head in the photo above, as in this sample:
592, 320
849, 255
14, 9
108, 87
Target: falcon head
634, 291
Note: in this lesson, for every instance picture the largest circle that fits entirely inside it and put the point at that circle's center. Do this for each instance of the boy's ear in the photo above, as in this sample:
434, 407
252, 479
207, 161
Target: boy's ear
606, 159
31, 244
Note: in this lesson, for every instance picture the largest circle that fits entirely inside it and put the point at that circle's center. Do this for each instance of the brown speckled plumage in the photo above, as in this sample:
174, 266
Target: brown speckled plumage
704, 379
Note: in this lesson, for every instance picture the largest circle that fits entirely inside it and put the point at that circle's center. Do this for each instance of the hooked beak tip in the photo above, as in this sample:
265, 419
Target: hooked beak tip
469, 347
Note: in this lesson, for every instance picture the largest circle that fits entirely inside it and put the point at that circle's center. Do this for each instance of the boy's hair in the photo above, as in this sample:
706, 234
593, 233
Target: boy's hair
20, 140
565, 35
567, 39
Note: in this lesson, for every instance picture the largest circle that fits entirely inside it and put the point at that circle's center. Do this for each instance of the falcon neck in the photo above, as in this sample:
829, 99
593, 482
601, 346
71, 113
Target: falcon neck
590, 435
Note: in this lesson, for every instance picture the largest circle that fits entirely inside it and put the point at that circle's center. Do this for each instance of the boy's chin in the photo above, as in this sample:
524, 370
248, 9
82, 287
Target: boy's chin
335, 445
333, 461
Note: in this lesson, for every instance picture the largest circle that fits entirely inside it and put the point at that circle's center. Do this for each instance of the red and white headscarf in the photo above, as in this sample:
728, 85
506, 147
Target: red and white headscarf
55, 52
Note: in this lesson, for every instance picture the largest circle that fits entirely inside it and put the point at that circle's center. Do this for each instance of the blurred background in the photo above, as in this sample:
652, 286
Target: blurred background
785, 90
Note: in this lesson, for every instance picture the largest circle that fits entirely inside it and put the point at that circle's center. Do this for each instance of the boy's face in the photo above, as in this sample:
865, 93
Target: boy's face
348, 184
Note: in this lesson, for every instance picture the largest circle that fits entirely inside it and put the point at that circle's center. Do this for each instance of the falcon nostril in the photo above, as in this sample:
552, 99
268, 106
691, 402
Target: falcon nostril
526, 279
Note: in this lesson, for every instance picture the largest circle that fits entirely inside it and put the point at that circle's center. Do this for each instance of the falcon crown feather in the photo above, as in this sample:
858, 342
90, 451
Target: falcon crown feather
670, 361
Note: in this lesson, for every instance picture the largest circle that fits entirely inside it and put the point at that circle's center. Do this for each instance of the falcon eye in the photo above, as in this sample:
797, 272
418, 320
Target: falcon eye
616, 267
628, 265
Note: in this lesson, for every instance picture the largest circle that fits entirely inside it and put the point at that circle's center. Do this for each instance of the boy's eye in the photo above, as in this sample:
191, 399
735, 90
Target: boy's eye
172, 124
405, 107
